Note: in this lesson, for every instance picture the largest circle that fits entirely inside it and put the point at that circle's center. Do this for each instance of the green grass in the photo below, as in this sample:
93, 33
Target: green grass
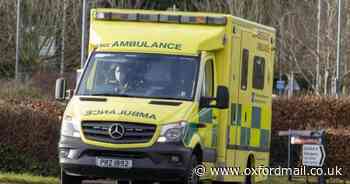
284, 180
13, 89
10, 178
300, 180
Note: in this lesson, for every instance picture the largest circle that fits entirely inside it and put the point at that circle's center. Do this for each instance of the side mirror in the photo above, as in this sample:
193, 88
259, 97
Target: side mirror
222, 99
61, 87
205, 102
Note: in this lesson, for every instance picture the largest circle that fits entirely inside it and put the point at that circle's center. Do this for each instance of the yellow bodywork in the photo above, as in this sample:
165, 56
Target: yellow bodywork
231, 132
103, 35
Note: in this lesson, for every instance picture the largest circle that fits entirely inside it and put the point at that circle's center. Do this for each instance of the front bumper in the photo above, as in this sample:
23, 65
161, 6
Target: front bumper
153, 163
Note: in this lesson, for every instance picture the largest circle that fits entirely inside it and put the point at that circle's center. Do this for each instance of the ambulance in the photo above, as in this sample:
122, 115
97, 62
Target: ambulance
167, 96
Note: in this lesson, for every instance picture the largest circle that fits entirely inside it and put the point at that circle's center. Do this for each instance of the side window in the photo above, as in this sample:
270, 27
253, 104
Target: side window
259, 73
208, 83
244, 70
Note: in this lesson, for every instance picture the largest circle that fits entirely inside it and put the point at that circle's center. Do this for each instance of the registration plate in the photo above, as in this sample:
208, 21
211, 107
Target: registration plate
113, 163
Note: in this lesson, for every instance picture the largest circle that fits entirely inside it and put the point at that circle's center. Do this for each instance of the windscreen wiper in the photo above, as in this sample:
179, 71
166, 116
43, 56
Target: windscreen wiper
102, 94
109, 94
167, 98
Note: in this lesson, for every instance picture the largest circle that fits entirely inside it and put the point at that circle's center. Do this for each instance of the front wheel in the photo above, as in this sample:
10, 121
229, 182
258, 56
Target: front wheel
249, 179
191, 177
67, 179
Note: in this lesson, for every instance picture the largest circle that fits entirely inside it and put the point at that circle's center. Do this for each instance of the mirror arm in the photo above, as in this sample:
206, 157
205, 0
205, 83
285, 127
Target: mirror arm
69, 94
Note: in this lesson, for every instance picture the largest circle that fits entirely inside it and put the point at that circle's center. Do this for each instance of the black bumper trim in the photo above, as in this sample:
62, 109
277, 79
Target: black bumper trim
151, 163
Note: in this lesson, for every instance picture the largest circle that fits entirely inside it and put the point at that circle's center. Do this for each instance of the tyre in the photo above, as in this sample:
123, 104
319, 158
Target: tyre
142, 182
191, 177
249, 179
67, 179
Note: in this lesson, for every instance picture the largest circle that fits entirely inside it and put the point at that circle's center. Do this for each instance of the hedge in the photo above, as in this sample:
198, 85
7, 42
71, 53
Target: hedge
312, 113
29, 132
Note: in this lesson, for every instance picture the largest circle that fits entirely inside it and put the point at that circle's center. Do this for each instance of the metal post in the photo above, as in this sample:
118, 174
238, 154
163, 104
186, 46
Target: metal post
280, 92
338, 49
317, 86
289, 153
322, 179
291, 84
280, 53
19, 2
63, 37
83, 35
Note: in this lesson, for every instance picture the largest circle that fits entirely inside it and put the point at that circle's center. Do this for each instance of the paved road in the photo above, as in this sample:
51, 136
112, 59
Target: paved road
106, 182
100, 182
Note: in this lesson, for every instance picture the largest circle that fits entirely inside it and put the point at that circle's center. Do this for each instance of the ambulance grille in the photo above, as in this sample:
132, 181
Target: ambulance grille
133, 132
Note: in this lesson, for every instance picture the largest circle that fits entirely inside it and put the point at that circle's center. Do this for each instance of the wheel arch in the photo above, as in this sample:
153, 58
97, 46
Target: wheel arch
251, 161
198, 151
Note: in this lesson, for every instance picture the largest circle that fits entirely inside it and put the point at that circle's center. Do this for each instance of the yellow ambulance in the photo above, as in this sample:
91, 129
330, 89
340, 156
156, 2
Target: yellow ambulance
164, 92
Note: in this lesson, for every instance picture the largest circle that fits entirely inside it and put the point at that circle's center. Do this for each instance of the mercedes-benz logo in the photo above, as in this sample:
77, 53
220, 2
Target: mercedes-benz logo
116, 131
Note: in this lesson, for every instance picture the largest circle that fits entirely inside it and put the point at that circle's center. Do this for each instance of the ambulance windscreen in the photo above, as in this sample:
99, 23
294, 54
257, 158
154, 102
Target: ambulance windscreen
140, 75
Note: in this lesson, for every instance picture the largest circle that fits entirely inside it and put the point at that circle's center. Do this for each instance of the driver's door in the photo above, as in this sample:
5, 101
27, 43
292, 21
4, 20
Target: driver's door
207, 116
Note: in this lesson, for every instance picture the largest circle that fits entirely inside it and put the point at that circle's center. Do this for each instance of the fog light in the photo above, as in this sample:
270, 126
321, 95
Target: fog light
175, 159
67, 153
71, 154
162, 139
64, 153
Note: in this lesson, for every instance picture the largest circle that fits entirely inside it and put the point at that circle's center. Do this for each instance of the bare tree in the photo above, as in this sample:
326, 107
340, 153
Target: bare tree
295, 21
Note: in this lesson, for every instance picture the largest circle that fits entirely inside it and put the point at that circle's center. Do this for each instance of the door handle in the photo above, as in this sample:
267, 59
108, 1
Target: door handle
201, 125
253, 97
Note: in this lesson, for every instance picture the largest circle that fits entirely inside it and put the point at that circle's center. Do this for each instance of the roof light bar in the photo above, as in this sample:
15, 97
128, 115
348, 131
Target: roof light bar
169, 18
116, 16
148, 18
217, 20
204, 20
162, 18
103, 16
193, 20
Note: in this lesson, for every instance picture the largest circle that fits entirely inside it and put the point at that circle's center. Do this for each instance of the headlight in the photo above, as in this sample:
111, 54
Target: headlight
172, 132
70, 127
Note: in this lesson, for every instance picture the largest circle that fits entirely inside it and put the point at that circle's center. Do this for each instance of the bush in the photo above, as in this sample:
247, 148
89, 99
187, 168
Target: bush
29, 133
312, 113
16, 90
40, 86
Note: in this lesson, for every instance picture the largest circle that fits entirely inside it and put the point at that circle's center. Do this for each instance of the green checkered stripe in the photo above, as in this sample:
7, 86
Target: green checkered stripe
205, 116
246, 133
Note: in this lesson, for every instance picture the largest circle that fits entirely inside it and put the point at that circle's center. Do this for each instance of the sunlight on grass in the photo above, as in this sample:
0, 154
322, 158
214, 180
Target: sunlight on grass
300, 180
11, 178
26, 179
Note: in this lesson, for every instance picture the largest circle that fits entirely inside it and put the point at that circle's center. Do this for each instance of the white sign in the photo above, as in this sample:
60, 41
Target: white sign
313, 155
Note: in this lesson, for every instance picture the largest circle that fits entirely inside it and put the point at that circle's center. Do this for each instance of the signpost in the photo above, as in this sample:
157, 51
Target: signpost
313, 142
280, 86
313, 155
303, 140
